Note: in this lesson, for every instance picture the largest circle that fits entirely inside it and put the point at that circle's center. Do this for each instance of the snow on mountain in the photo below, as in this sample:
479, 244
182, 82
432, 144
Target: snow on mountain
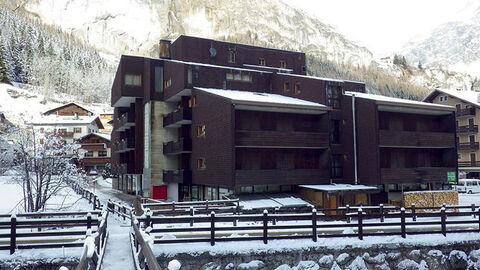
136, 26
22, 105
454, 45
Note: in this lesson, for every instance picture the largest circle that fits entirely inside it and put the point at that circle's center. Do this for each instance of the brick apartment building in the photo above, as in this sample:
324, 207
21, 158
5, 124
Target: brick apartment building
209, 118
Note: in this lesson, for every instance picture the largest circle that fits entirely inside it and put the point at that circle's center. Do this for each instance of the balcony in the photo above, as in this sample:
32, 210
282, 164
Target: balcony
281, 177
125, 121
177, 176
124, 145
63, 134
469, 164
388, 138
177, 118
465, 112
272, 139
122, 168
467, 129
414, 175
468, 146
179, 147
95, 160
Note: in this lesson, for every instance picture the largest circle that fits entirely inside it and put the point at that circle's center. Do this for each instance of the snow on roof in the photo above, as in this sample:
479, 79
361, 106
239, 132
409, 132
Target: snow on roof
319, 78
63, 106
396, 100
268, 67
215, 66
339, 187
236, 95
63, 120
102, 135
467, 96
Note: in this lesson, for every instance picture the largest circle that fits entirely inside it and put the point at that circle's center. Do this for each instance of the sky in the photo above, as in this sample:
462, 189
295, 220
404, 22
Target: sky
384, 26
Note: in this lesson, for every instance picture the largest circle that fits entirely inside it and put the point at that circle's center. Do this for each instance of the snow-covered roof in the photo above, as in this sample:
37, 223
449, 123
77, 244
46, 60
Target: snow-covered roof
319, 78
268, 67
65, 105
102, 135
471, 97
63, 120
339, 187
398, 101
264, 98
215, 66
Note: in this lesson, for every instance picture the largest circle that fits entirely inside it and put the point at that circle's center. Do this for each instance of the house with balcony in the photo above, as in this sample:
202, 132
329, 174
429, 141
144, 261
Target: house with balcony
209, 118
467, 112
95, 149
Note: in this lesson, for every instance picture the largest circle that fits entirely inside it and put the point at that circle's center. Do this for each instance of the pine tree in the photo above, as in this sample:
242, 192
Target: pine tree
3, 67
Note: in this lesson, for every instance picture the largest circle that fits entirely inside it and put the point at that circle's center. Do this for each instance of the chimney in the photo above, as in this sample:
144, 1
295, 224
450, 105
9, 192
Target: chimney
165, 48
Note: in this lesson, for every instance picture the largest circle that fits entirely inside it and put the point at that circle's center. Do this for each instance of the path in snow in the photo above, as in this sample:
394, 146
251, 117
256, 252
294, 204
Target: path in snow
118, 253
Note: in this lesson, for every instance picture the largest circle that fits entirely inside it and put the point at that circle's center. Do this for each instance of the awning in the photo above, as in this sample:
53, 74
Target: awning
342, 188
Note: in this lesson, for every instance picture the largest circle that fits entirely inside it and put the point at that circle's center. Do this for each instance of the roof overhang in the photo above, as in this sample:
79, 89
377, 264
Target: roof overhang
413, 109
281, 108
342, 188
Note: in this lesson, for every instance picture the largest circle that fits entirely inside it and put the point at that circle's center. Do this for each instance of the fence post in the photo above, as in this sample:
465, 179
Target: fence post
414, 216
274, 220
173, 205
314, 225
95, 202
13, 233
89, 220
191, 215
148, 220
349, 219
212, 228
89, 197
444, 219
382, 217
473, 210
265, 226
402, 223
360, 223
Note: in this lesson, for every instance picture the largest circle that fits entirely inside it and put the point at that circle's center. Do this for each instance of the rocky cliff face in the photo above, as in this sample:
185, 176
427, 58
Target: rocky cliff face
135, 26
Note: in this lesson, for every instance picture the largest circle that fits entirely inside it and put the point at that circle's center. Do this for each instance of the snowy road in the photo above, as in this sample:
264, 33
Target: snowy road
118, 253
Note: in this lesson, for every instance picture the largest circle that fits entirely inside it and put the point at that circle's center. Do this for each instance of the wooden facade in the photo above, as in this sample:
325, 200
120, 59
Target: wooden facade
212, 143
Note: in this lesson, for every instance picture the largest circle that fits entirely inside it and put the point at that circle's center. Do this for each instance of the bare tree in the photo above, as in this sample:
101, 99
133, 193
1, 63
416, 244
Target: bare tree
43, 165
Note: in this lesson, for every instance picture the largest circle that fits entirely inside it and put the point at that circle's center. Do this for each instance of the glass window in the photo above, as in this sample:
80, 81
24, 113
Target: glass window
286, 87
231, 56
335, 131
102, 153
296, 88
246, 77
167, 83
261, 61
229, 76
237, 77
283, 64
334, 94
133, 79
159, 79
88, 154
201, 163
200, 130
77, 130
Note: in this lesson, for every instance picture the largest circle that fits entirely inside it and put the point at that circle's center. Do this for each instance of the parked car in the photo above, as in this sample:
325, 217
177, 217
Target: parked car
93, 172
468, 186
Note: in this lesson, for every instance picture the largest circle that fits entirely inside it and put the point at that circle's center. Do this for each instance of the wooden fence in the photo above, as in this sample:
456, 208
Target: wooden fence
119, 209
378, 221
141, 250
69, 228
86, 194
99, 240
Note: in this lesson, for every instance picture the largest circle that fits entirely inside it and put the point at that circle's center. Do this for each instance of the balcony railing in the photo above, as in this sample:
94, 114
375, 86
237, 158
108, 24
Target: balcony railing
282, 177
415, 175
125, 121
468, 146
178, 147
122, 168
177, 118
388, 138
281, 139
467, 129
124, 145
469, 164
177, 176
465, 112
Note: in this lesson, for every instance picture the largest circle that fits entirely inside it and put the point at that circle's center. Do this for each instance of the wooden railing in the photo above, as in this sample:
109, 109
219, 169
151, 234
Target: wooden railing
119, 209
469, 163
373, 221
86, 194
92, 259
141, 249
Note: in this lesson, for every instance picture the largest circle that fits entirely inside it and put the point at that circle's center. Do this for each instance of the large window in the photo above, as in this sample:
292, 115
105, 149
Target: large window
334, 93
335, 131
337, 171
231, 56
261, 61
159, 79
133, 79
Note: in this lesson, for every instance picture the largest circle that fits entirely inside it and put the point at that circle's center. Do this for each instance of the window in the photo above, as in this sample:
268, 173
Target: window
41, 141
335, 131
167, 83
77, 130
62, 130
158, 79
246, 77
261, 61
337, 171
229, 76
334, 94
231, 56
133, 79
200, 130
88, 154
445, 98
237, 76
201, 163
296, 88
441, 99
102, 153
286, 87
283, 64
192, 101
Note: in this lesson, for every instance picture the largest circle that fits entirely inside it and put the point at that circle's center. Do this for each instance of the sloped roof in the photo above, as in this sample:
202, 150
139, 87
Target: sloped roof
66, 120
101, 135
63, 106
471, 97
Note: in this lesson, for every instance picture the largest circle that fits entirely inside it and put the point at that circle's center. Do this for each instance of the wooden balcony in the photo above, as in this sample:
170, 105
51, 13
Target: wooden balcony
63, 134
179, 147
124, 145
467, 129
414, 175
469, 164
177, 176
468, 146
388, 138
281, 139
125, 121
177, 118
281, 177
94, 146
95, 160
465, 112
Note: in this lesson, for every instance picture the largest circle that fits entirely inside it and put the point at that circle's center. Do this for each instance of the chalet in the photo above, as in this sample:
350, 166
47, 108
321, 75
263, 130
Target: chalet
467, 111
209, 118
96, 151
